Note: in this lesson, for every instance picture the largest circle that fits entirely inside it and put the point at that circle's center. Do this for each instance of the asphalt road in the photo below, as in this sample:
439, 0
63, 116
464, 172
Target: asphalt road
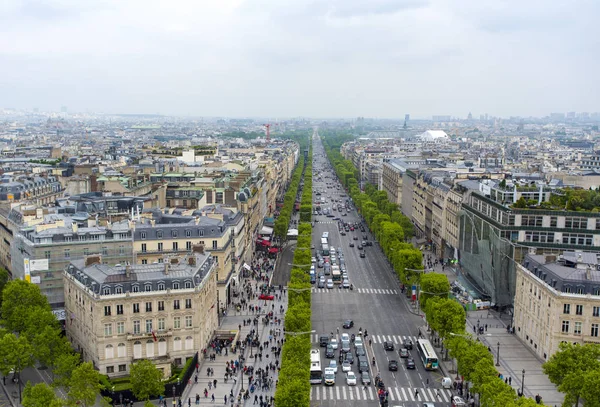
377, 305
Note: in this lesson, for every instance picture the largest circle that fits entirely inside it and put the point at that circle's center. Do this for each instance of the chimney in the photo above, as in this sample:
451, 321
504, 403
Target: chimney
128, 270
167, 265
198, 248
74, 227
588, 273
197, 220
191, 261
152, 222
95, 259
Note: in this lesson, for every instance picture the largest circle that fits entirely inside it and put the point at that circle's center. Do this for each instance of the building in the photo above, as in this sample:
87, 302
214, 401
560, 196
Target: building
118, 315
46, 243
33, 189
557, 300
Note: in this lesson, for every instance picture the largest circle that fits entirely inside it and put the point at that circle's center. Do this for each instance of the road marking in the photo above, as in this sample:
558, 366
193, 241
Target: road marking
411, 394
446, 396
370, 393
431, 395
404, 394
351, 393
344, 393
398, 394
395, 341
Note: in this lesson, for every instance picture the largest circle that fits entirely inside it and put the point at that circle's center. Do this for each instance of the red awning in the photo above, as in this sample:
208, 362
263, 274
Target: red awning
266, 243
273, 250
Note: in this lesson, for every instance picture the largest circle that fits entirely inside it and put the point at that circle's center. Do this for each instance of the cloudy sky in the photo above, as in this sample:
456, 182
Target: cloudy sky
317, 58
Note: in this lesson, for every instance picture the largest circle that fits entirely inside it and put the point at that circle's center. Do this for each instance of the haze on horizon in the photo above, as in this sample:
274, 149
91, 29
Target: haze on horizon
337, 58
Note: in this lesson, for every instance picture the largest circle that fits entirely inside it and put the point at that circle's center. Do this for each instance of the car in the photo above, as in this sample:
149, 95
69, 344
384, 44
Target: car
266, 297
458, 402
348, 357
364, 244
330, 284
323, 340
350, 378
329, 376
388, 345
321, 284
362, 255
334, 343
346, 346
369, 243
344, 276
360, 351
329, 352
351, 244
345, 284
407, 343
342, 233
404, 353
365, 378
358, 341
313, 278
346, 366
344, 214
345, 337
428, 405
365, 237
363, 364
333, 365
313, 259
348, 324
410, 363
360, 246
354, 237
393, 365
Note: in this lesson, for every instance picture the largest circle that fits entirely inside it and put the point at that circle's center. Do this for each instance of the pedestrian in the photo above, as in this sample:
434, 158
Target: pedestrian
509, 380
416, 393
215, 383
212, 398
225, 398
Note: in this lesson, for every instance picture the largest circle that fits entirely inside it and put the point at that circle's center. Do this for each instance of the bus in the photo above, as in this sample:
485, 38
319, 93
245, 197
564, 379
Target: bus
325, 250
316, 373
336, 276
324, 241
428, 356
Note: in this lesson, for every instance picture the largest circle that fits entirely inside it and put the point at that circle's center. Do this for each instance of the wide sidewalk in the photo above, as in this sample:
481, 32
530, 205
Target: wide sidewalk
515, 356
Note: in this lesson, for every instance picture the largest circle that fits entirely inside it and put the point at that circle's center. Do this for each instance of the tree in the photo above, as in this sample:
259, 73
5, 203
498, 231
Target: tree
48, 345
84, 386
146, 380
4, 278
16, 354
569, 367
433, 284
18, 297
64, 366
496, 393
40, 395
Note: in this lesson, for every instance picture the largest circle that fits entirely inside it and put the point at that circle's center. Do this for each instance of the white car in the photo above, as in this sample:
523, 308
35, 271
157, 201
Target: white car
333, 365
346, 366
358, 341
350, 378
334, 343
345, 337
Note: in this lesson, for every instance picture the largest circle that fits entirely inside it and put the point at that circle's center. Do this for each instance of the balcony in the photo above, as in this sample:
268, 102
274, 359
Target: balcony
148, 335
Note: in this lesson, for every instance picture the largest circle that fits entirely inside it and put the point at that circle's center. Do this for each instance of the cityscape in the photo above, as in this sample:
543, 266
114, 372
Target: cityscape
325, 203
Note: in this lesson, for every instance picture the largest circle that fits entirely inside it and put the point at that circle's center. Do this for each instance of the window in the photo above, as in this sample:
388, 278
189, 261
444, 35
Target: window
107, 311
573, 222
107, 329
67, 254
175, 246
105, 251
144, 261
188, 233
215, 244
136, 308
565, 327
188, 245
188, 303
122, 368
594, 330
161, 324
596, 312
175, 304
148, 326
148, 307
86, 251
148, 287
160, 247
135, 288
120, 309
120, 328
177, 322
118, 290
161, 305
144, 247
136, 327
176, 285
47, 254
159, 234
121, 249
201, 232
553, 220
143, 236
106, 291
161, 286
188, 284
577, 328
188, 321
173, 233
531, 220
579, 309
110, 369
566, 308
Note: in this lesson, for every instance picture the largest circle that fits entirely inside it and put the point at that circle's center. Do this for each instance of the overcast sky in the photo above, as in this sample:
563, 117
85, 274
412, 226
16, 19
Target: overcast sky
288, 58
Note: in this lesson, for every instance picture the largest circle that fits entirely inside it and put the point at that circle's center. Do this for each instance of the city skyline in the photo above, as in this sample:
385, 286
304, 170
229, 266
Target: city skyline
311, 59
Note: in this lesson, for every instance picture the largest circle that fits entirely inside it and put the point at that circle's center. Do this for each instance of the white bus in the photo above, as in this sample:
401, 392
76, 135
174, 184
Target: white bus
427, 354
316, 373
325, 235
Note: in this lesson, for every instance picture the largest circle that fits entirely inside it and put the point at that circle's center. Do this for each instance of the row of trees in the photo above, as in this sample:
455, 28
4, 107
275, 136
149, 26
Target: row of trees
293, 389
285, 213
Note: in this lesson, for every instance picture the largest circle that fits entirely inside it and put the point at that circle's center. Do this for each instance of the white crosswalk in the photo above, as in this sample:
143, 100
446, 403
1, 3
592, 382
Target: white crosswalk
358, 290
359, 392
396, 339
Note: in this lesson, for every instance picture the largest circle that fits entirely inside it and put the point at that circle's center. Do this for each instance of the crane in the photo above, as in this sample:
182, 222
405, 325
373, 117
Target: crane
268, 127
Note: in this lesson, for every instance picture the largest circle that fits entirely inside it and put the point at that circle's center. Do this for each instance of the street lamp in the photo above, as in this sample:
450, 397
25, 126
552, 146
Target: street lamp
174, 391
523, 382
498, 355
478, 326
178, 385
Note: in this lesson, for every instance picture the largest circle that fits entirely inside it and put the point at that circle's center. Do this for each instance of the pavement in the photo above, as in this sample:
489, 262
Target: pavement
515, 356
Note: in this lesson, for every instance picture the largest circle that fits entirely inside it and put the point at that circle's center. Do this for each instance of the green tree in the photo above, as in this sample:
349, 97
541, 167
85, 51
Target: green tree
84, 386
18, 297
146, 380
496, 393
64, 366
16, 354
4, 278
433, 285
49, 344
568, 368
40, 395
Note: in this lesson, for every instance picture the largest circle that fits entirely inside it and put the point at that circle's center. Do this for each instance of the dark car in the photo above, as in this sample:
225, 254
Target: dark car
349, 358
355, 237
365, 378
393, 365
369, 243
348, 324
360, 247
342, 232
404, 353
407, 343
351, 244
363, 364
387, 345
362, 255
410, 363
323, 340
360, 351
330, 353
365, 237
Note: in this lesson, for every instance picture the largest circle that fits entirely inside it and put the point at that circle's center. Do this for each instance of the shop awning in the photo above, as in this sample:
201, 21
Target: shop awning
266, 230
247, 267
273, 250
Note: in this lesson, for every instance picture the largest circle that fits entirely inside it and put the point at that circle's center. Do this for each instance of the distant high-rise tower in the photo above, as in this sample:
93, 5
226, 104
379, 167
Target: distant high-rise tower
406, 119
470, 116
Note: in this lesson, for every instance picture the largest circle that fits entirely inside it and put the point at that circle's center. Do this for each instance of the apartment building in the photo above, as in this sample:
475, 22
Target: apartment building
118, 315
557, 300
39, 190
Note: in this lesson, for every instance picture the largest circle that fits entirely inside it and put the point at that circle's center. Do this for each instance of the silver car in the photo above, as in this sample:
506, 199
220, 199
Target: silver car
345, 346
329, 283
